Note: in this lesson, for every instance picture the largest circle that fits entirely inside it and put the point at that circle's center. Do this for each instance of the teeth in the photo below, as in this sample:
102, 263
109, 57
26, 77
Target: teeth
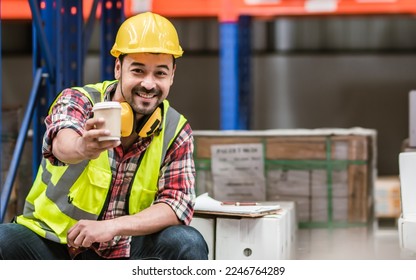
144, 95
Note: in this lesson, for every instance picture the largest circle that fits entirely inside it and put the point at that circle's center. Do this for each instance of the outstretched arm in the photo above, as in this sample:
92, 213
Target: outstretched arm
69, 147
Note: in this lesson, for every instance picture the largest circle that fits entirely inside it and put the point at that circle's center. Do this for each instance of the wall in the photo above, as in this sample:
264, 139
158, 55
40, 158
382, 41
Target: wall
369, 91
306, 73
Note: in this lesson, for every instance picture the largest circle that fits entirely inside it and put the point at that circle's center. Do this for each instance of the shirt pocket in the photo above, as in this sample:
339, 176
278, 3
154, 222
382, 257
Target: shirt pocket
90, 191
145, 198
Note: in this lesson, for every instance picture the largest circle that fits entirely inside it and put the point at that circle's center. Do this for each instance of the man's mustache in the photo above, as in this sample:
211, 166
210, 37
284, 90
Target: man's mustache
145, 90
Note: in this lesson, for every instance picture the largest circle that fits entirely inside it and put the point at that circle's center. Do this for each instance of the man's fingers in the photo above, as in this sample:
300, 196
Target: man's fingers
94, 123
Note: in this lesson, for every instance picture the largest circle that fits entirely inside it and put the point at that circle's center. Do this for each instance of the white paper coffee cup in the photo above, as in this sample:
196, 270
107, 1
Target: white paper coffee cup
111, 112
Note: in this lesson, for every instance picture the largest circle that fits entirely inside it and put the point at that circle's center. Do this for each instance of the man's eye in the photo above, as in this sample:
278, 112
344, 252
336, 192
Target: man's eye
161, 73
137, 70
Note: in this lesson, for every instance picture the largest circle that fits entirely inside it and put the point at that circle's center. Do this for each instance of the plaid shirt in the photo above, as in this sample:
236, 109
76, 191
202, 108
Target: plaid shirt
176, 182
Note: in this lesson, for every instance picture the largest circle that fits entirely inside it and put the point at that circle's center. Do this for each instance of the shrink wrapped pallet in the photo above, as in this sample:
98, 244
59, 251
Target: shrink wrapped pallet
329, 173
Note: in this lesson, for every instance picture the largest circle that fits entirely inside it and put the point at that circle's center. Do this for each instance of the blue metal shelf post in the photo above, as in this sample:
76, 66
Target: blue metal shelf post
229, 87
69, 43
112, 14
244, 75
1, 112
43, 58
235, 81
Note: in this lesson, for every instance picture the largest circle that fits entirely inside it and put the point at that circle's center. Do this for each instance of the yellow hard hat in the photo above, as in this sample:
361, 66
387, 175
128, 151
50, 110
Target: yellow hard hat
147, 33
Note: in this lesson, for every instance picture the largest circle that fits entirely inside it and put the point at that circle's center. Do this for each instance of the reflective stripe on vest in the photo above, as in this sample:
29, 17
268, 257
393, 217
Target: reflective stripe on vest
54, 192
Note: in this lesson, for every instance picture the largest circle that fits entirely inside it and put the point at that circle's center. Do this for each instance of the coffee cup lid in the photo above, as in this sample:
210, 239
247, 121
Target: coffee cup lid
107, 105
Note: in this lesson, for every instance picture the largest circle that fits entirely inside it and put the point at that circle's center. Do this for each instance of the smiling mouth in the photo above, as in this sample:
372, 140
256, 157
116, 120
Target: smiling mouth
146, 95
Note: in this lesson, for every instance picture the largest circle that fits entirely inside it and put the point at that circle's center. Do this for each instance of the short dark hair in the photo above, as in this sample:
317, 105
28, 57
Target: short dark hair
121, 58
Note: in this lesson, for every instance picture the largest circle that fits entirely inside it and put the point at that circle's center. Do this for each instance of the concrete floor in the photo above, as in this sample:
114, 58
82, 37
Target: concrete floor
355, 243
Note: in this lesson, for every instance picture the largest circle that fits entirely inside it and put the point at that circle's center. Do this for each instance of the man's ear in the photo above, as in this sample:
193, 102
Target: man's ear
173, 74
117, 69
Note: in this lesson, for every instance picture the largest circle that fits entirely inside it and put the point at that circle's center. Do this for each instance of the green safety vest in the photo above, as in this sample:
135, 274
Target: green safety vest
62, 195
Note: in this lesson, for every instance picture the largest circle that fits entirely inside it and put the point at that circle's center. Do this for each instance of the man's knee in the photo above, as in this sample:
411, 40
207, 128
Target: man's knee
7, 231
186, 240
7, 241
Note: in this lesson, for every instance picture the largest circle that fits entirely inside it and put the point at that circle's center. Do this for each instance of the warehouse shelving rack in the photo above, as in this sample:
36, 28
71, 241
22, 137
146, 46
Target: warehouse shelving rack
58, 60
62, 29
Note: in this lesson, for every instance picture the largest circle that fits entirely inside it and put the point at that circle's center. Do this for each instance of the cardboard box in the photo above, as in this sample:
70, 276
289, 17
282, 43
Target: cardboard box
252, 239
302, 206
387, 197
291, 228
266, 237
321, 183
407, 232
308, 166
321, 211
407, 163
315, 147
288, 183
206, 226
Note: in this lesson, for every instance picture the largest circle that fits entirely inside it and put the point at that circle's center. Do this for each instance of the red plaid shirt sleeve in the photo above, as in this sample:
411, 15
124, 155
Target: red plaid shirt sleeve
176, 185
71, 110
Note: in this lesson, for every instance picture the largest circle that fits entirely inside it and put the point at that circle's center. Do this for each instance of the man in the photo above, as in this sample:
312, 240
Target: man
118, 199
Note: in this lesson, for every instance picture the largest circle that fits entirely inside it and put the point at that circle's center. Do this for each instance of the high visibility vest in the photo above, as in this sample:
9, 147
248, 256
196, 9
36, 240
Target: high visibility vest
62, 195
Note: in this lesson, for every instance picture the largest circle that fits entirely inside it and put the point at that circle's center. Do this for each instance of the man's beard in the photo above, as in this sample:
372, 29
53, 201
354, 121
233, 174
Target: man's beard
145, 108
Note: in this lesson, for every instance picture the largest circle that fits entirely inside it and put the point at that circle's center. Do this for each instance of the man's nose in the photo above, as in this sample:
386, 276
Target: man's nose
148, 83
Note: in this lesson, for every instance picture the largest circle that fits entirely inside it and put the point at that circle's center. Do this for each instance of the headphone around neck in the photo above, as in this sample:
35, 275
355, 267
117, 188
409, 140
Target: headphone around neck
147, 125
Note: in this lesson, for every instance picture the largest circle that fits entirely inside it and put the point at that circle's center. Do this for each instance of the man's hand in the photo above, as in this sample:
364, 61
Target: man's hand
89, 146
86, 232
153, 219
69, 147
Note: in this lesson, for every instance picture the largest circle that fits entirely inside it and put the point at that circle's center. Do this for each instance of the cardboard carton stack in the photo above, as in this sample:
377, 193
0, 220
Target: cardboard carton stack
329, 173
387, 197
268, 237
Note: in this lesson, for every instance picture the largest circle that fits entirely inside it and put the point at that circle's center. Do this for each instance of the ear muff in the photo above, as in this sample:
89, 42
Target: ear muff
150, 124
147, 126
127, 119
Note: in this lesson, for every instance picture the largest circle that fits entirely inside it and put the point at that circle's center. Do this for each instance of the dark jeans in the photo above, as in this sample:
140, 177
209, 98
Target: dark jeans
173, 243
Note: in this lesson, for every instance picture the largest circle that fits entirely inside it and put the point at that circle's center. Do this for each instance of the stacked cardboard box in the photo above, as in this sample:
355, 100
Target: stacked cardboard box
245, 238
329, 173
387, 197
